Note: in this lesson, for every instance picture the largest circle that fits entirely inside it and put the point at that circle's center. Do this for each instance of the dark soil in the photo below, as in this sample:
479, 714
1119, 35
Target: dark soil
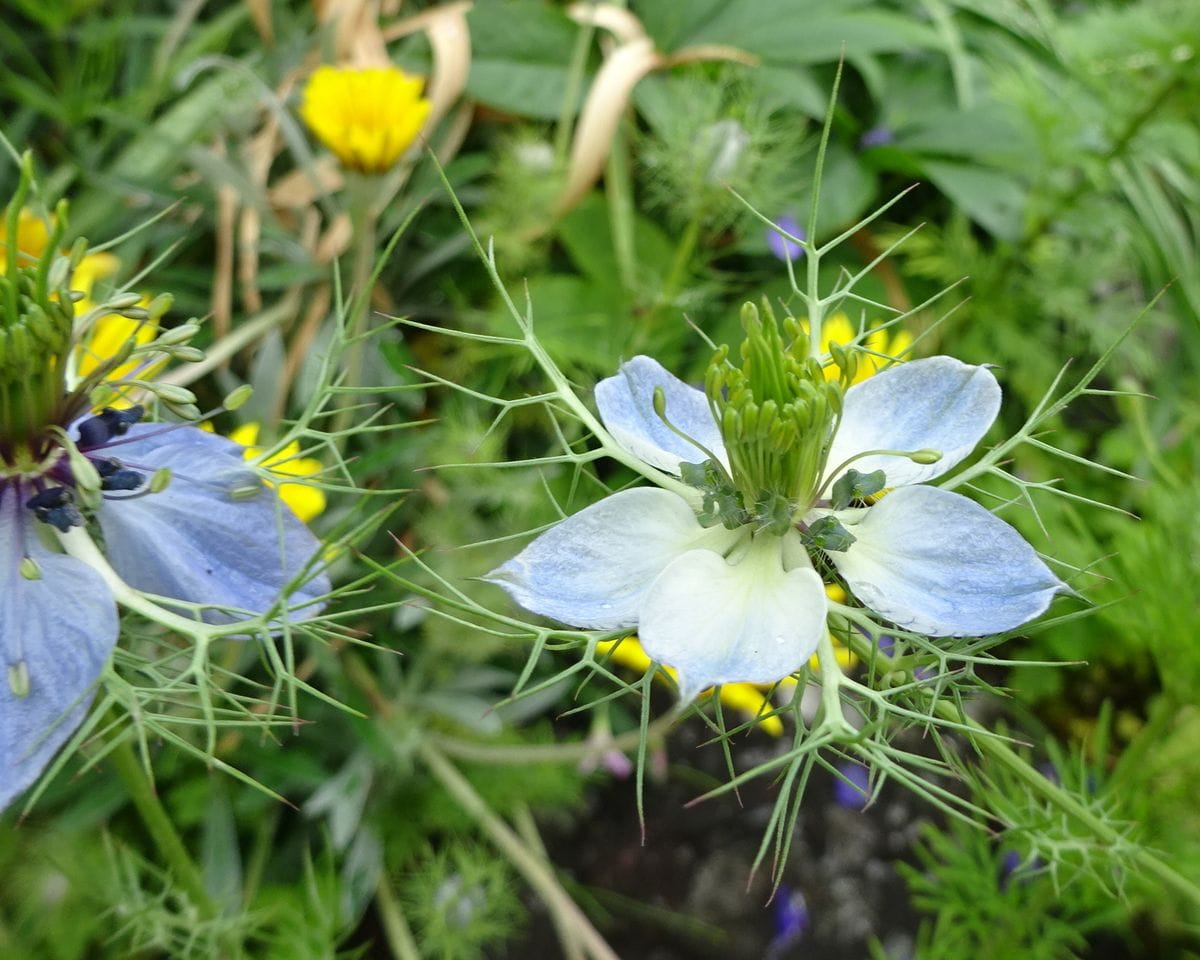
688, 893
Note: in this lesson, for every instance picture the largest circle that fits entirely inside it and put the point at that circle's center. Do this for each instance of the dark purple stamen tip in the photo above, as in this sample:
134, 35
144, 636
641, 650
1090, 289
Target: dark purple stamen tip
56, 507
108, 423
114, 475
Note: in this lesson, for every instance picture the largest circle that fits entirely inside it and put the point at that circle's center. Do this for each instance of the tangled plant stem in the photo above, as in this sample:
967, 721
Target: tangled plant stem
532, 867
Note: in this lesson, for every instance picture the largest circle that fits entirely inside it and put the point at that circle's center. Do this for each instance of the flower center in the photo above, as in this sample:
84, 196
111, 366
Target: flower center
777, 412
36, 310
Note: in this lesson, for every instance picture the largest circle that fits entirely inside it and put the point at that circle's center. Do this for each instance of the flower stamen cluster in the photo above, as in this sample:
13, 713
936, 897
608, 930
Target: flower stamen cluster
777, 413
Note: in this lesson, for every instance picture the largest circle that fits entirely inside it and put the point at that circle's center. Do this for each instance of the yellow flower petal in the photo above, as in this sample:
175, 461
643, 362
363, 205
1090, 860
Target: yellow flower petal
752, 701
108, 335
747, 698
33, 233
368, 118
305, 501
837, 328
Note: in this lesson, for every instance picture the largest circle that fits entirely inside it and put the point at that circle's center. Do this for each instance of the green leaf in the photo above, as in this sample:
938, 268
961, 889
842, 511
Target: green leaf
521, 57
993, 199
586, 232
811, 31
991, 132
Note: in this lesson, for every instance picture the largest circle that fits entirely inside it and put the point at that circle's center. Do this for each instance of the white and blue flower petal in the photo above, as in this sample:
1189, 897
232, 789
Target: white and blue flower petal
216, 535
594, 568
935, 404
936, 563
720, 622
626, 405
56, 634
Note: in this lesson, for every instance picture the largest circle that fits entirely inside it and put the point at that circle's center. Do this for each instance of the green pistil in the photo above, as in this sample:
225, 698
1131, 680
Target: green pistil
776, 412
36, 311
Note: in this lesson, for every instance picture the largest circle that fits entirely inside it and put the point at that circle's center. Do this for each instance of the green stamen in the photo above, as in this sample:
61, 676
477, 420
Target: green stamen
36, 313
777, 413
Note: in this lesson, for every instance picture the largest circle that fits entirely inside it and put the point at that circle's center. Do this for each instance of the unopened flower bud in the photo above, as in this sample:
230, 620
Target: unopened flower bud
237, 397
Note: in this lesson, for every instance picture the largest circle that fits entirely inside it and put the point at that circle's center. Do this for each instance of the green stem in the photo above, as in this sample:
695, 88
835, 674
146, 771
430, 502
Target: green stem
517, 754
365, 221
162, 831
527, 828
684, 252
533, 868
618, 186
395, 926
816, 307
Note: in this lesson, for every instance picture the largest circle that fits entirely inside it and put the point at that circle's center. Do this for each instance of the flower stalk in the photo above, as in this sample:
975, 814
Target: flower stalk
157, 821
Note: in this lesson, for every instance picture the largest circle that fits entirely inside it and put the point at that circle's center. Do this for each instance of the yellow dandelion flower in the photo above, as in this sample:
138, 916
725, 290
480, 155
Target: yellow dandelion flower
368, 117
305, 501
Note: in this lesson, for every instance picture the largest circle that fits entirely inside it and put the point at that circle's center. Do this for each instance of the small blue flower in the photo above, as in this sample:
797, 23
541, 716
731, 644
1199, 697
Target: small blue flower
791, 920
1015, 868
878, 136
214, 535
852, 787
781, 246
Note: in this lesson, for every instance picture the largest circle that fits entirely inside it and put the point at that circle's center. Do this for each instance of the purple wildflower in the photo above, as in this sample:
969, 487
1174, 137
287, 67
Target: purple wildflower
878, 136
781, 246
852, 789
791, 920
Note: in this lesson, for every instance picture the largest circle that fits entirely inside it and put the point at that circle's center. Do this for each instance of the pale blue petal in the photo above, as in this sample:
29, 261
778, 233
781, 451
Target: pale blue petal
935, 404
62, 629
594, 568
626, 405
721, 622
939, 564
201, 539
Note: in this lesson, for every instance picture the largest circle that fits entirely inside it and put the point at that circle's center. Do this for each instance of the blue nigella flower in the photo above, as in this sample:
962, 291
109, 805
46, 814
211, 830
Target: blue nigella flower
214, 535
781, 246
726, 590
180, 515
